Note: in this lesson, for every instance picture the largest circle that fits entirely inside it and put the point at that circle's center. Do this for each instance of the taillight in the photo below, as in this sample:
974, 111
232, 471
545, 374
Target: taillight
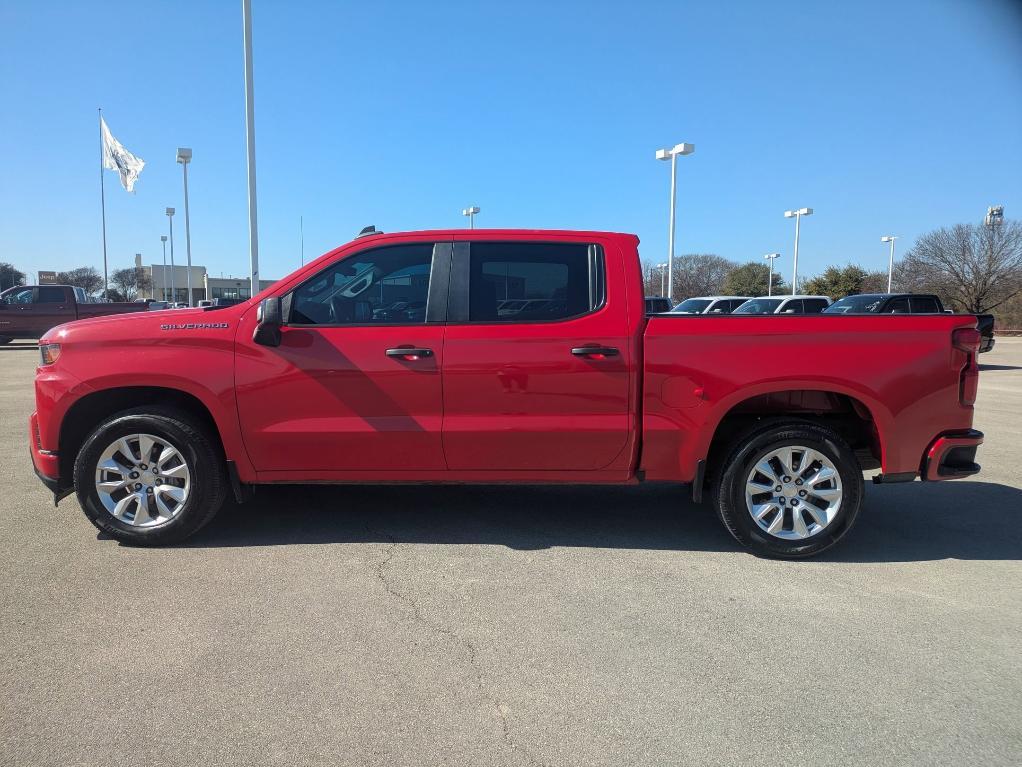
968, 340
50, 353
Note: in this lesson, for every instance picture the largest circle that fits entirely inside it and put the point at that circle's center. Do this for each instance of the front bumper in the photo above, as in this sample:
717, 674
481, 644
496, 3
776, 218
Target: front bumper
952, 456
46, 463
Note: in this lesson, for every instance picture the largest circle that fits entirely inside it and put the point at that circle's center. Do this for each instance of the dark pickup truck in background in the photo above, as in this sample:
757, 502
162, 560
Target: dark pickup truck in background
28, 311
908, 303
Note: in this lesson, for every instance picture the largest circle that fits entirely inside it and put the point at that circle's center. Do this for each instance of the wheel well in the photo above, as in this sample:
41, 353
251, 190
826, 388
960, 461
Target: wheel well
846, 415
92, 409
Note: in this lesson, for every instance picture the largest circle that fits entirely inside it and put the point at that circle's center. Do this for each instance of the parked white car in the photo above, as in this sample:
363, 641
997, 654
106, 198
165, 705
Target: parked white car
709, 305
784, 305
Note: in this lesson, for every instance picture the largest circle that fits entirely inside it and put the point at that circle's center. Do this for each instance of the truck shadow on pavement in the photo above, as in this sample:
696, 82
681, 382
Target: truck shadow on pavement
899, 523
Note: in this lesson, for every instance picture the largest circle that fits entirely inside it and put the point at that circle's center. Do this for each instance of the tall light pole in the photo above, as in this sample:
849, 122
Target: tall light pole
173, 276
672, 155
253, 228
770, 277
890, 262
184, 156
797, 215
471, 213
663, 273
163, 239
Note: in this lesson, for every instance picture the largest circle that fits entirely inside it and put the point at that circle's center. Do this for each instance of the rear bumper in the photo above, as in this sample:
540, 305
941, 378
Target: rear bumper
952, 456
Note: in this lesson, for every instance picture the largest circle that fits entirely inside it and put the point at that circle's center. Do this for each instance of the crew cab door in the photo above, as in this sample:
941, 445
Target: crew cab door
355, 382
32, 311
537, 357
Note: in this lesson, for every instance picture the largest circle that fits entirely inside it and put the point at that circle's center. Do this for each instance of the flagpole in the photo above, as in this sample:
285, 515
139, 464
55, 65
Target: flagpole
102, 207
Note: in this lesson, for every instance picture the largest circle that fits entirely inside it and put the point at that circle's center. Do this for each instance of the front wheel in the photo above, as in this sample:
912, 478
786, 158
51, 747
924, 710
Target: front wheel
789, 490
150, 476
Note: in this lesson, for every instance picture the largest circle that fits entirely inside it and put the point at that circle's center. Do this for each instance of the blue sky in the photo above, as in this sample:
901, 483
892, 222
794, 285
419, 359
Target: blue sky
886, 117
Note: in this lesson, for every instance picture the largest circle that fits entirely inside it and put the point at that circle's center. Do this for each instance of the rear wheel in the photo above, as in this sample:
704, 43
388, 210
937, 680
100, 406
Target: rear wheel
150, 476
789, 490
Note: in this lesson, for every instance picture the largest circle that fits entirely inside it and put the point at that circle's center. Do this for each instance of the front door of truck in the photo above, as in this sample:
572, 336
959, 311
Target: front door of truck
31, 311
536, 358
355, 382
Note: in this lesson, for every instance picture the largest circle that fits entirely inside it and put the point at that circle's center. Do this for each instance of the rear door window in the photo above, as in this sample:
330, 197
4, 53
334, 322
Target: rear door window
814, 305
48, 294
530, 281
793, 307
897, 306
925, 305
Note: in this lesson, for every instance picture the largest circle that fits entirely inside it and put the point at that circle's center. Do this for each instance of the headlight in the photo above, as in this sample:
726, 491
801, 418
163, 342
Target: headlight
50, 353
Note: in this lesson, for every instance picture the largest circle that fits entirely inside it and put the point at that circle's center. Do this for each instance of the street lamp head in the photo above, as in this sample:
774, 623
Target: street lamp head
798, 212
170, 211
805, 211
789, 214
677, 149
163, 238
470, 211
889, 238
184, 155
772, 256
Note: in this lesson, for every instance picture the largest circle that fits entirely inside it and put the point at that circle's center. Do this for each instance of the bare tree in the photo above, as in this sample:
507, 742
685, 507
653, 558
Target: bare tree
974, 268
700, 274
130, 282
84, 277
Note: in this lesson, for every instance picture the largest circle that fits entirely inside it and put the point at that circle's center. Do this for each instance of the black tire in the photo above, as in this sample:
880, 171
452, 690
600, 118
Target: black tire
197, 447
749, 449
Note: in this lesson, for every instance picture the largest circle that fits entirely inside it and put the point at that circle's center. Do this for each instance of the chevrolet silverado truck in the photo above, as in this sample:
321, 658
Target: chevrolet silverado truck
28, 311
154, 419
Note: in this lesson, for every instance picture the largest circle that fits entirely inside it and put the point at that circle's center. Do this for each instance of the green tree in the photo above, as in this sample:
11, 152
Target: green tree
836, 282
9, 276
130, 282
751, 280
84, 277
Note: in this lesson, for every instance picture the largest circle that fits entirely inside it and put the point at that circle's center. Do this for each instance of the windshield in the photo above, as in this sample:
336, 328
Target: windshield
758, 306
855, 305
692, 305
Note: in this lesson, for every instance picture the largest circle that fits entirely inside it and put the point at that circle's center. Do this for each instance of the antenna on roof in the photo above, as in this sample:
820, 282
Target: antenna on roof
366, 231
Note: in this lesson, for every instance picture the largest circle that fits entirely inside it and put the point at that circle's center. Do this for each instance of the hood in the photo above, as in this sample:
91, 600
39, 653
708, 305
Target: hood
139, 325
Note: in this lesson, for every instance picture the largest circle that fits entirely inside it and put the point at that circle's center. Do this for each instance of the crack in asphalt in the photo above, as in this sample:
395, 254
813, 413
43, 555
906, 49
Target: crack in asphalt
471, 652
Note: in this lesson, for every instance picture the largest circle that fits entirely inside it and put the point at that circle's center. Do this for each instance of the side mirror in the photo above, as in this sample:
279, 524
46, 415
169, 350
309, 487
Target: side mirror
269, 318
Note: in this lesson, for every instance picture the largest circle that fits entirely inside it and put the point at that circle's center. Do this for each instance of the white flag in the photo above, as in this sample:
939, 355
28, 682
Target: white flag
116, 157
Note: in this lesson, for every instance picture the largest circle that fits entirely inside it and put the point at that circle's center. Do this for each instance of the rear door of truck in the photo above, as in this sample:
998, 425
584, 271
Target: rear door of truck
544, 384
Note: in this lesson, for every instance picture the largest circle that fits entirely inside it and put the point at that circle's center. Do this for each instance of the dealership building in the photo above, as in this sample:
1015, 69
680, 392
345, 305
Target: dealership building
204, 285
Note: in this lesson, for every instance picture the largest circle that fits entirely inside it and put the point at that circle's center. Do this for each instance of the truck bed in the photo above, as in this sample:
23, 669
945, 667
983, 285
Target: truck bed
893, 371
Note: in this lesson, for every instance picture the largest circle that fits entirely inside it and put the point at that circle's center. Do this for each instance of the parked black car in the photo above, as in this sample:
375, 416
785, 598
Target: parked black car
657, 304
907, 303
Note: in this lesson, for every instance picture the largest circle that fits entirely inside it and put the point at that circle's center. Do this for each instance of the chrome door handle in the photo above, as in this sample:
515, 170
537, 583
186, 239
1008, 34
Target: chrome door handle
407, 353
595, 351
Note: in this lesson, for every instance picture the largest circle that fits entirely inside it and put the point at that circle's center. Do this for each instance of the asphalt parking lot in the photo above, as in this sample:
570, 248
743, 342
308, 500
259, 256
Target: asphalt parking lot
520, 626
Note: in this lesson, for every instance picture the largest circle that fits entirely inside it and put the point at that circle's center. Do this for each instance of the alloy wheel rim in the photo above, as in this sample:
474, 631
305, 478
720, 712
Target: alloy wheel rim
793, 492
142, 480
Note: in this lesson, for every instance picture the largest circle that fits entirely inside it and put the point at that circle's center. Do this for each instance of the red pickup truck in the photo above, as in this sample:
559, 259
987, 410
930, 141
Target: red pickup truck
499, 357
28, 311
